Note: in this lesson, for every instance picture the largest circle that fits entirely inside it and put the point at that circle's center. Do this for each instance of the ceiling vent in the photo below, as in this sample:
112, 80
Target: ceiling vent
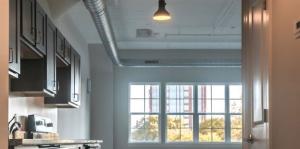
151, 61
144, 33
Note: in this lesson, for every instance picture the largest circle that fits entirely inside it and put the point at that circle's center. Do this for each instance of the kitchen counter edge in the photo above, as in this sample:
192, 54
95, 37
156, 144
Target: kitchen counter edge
27, 142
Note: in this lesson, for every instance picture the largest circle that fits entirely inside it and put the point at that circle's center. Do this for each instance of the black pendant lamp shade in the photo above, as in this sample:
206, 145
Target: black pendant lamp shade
161, 14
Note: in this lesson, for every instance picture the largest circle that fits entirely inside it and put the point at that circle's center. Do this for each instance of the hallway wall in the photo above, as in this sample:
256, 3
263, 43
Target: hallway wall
102, 96
285, 72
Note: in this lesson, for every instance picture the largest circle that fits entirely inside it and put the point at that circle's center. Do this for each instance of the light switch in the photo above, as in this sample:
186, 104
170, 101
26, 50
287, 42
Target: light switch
297, 30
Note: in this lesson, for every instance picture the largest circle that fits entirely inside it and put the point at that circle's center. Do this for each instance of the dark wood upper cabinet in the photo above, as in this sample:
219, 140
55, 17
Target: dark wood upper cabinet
51, 57
28, 21
14, 42
38, 76
40, 28
69, 80
42, 61
33, 26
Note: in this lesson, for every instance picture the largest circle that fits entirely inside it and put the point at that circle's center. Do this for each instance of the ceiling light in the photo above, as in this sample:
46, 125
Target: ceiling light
161, 14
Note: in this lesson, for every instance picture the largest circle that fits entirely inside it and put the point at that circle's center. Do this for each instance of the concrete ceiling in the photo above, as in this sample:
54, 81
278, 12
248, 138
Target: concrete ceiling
195, 24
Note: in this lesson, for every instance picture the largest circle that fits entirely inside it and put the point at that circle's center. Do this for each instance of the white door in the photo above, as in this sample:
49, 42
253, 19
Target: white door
255, 74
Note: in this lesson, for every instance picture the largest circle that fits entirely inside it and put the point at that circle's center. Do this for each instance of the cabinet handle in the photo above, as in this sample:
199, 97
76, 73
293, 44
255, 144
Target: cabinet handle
76, 97
58, 86
11, 55
54, 86
33, 31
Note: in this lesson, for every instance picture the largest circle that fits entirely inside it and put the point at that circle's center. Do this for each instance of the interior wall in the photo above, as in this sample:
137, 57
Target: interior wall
125, 75
71, 123
285, 72
102, 96
4, 28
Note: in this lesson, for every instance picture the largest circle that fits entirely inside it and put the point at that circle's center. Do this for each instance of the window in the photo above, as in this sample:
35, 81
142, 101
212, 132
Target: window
179, 109
144, 113
196, 113
235, 102
211, 109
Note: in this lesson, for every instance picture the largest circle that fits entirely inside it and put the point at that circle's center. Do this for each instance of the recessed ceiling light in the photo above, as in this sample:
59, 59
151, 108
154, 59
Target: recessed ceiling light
161, 14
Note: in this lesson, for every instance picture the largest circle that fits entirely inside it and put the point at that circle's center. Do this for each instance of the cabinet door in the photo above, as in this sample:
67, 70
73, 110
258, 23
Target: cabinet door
67, 52
75, 77
14, 44
28, 20
51, 84
60, 44
40, 29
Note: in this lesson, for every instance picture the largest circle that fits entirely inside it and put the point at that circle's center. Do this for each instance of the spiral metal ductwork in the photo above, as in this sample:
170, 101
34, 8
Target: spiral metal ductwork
99, 14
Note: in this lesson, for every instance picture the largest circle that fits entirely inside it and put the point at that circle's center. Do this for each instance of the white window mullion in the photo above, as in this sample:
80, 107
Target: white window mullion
163, 113
196, 115
227, 115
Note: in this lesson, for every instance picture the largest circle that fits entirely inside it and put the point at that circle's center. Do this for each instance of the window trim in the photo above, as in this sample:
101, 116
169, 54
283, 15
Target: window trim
163, 114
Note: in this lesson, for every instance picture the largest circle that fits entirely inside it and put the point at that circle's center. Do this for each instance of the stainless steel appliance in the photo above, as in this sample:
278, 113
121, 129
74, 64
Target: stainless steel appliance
39, 127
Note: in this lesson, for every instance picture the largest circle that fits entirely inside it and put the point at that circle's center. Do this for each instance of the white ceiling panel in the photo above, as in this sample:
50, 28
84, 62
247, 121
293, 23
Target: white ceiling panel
195, 24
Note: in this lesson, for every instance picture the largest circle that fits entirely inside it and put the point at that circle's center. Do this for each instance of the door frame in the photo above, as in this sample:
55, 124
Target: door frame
247, 69
4, 46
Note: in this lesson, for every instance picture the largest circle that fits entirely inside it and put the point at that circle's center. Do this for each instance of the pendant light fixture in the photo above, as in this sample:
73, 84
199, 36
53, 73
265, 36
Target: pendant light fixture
161, 14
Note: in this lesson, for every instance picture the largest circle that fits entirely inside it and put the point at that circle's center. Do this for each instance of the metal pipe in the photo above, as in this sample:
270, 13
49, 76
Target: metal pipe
98, 12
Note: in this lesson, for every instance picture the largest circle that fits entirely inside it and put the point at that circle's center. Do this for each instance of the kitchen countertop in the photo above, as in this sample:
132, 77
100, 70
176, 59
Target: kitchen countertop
27, 142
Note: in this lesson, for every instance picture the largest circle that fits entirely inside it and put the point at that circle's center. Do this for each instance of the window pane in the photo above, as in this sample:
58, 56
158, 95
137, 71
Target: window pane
218, 121
144, 118
204, 106
152, 105
180, 128
179, 92
235, 106
137, 105
137, 121
236, 121
204, 91
144, 128
204, 121
137, 91
236, 135
179, 106
151, 121
151, 91
235, 91
179, 99
218, 106
218, 135
218, 91
137, 135
205, 135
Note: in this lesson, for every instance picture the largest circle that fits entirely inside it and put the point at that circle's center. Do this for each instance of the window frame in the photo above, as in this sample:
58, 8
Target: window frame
163, 114
166, 114
141, 113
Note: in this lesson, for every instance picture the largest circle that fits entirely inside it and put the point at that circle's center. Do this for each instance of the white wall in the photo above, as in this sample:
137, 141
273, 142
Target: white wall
125, 75
102, 96
285, 72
